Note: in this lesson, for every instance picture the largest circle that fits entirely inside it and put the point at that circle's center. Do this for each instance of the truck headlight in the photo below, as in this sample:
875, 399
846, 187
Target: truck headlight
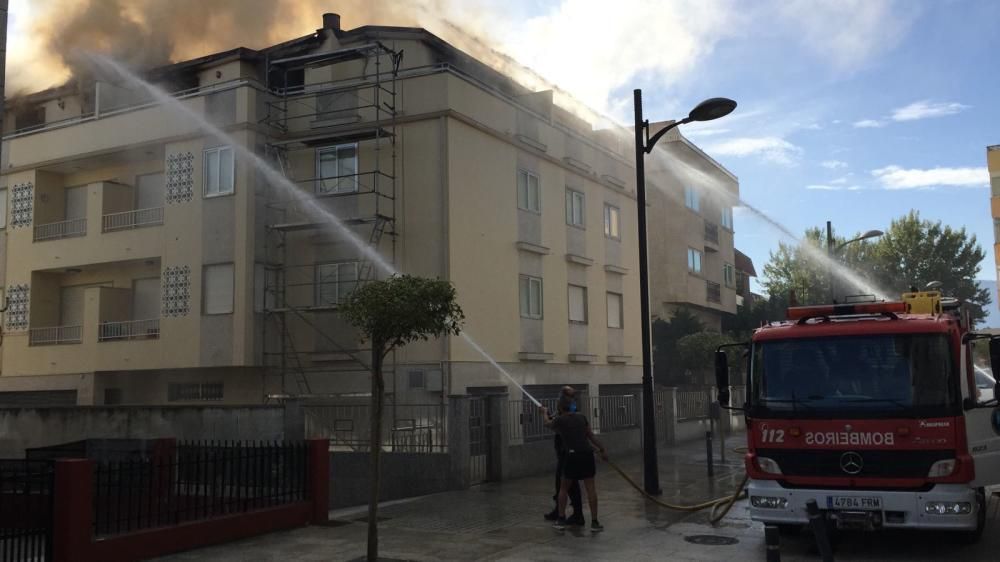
770, 466
948, 508
942, 468
768, 502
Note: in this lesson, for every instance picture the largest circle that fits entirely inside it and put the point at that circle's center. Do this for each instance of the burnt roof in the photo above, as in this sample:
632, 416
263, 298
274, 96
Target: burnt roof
744, 264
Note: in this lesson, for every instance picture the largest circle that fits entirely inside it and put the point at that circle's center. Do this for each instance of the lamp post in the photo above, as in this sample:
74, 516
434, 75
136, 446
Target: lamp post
832, 252
705, 111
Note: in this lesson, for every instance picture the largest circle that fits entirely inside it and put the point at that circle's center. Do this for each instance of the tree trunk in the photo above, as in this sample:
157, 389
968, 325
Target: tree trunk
375, 459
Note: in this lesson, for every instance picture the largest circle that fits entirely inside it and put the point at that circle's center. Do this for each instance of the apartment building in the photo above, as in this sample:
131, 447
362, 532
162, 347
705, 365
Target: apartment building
691, 232
993, 164
148, 262
744, 272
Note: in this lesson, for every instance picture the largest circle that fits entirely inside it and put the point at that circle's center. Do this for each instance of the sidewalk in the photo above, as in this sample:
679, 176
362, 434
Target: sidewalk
503, 521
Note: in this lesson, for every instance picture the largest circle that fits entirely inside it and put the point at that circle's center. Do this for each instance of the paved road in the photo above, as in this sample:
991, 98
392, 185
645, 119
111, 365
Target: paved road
502, 521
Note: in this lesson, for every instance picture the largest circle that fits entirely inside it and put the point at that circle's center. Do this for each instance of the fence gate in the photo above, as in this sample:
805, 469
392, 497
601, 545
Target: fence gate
479, 440
25, 511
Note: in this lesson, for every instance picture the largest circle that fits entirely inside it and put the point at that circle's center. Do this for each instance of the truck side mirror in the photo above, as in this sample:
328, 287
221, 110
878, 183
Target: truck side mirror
722, 376
995, 358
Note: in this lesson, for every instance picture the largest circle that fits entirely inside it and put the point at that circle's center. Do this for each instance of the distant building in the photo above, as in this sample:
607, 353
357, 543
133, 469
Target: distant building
744, 271
993, 164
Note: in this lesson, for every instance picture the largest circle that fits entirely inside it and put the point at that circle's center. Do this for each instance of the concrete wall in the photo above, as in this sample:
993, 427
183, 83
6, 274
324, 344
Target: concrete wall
404, 475
27, 428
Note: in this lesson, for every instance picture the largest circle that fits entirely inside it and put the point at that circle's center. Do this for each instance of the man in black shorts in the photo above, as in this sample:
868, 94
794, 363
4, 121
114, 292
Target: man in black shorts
576, 436
567, 398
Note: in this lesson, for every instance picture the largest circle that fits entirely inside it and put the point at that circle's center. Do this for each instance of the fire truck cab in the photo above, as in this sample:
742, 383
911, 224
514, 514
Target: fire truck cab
871, 409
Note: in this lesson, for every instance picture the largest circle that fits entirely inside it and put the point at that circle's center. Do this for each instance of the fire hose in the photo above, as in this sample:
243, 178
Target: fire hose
724, 503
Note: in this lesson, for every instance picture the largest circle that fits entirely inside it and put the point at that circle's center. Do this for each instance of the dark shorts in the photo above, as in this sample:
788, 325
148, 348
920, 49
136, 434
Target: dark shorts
579, 465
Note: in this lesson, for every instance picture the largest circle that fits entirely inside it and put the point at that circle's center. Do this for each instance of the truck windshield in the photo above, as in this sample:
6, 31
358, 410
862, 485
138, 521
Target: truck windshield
867, 376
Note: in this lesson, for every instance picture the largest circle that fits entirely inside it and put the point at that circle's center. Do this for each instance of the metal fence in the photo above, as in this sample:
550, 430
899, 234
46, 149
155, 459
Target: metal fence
525, 422
737, 396
62, 229
25, 510
129, 330
202, 480
132, 219
693, 404
613, 413
55, 335
406, 428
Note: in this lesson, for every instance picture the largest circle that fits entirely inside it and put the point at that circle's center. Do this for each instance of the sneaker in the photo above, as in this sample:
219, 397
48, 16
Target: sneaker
560, 524
596, 527
551, 516
576, 520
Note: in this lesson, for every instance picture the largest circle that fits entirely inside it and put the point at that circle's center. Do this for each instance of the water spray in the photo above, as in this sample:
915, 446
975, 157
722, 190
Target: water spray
316, 210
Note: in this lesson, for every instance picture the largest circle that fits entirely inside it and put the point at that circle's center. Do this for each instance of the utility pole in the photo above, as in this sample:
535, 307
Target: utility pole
830, 257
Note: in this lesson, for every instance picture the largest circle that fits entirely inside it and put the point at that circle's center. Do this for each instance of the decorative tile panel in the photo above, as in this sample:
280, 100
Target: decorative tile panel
176, 291
180, 177
22, 204
17, 308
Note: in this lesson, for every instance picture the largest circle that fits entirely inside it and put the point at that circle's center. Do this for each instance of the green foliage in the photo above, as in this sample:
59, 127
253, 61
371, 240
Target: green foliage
911, 253
667, 370
696, 355
402, 309
740, 326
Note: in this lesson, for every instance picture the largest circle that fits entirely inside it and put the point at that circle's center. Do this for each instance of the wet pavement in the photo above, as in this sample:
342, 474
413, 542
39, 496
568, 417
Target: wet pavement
503, 521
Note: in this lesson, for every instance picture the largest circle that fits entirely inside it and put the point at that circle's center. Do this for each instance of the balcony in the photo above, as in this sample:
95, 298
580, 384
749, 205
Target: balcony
128, 220
713, 292
63, 229
129, 330
711, 236
55, 335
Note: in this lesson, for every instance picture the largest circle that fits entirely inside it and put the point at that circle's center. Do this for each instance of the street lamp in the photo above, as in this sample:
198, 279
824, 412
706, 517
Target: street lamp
832, 252
705, 111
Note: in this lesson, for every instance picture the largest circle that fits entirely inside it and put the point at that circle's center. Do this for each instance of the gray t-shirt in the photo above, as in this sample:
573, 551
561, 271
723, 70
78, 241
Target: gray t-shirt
572, 428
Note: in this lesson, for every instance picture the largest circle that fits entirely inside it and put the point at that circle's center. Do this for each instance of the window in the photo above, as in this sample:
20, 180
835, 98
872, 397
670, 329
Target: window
741, 282
729, 275
615, 319
217, 289
219, 171
417, 380
334, 281
3, 208
529, 198
578, 304
692, 198
727, 217
337, 169
694, 260
612, 227
194, 391
531, 297
574, 208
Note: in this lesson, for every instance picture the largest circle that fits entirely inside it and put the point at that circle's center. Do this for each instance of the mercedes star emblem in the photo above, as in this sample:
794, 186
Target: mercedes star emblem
851, 462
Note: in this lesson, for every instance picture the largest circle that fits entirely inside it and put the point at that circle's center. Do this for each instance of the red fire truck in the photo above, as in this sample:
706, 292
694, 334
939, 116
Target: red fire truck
870, 409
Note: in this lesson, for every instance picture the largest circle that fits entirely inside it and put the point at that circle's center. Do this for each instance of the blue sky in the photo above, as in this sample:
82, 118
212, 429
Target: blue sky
849, 111
809, 75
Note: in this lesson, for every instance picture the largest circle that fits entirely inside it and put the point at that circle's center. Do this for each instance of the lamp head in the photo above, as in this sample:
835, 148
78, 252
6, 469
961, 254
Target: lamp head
712, 108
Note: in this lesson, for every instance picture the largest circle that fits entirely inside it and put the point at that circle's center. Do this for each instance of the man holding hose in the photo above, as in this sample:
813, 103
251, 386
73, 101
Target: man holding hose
567, 398
574, 430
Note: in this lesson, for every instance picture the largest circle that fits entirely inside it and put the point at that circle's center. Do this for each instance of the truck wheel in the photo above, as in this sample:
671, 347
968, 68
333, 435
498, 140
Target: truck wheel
972, 537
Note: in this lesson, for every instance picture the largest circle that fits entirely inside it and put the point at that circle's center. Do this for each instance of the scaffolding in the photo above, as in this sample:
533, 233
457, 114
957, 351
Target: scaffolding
343, 118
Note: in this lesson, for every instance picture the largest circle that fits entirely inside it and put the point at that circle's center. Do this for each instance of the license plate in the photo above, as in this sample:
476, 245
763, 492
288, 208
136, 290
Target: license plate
867, 503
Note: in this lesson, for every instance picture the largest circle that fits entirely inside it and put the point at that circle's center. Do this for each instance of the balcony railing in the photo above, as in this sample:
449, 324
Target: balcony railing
711, 232
133, 219
64, 229
713, 292
55, 335
129, 330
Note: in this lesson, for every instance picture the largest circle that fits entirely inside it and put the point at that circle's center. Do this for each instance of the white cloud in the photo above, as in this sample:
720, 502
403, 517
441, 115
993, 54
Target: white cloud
824, 187
773, 149
868, 124
561, 44
839, 181
848, 32
896, 177
697, 133
925, 109
833, 164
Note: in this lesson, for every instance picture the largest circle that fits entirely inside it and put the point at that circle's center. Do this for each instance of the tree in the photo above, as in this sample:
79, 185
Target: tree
667, 369
392, 313
911, 253
696, 354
